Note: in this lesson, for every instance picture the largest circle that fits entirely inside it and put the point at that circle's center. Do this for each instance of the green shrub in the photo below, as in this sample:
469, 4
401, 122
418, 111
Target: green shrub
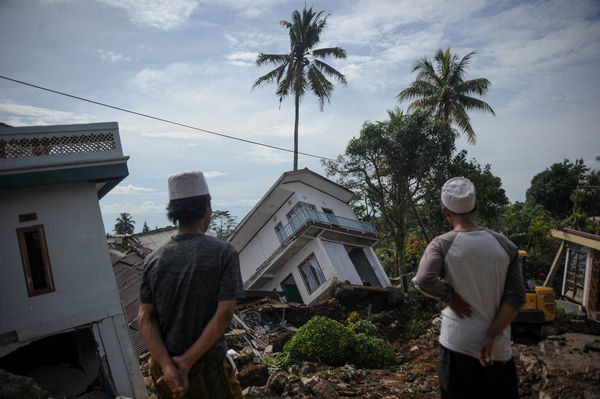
322, 340
415, 328
373, 352
327, 341
365, 327
276, 361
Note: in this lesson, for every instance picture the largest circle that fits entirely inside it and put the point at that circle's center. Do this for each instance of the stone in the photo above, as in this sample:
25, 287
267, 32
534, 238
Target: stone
324, 390
254, 375
277, 381
14, 386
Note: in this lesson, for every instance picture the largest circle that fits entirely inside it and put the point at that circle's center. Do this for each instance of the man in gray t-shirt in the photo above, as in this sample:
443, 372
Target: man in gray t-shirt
188, 297
476, 272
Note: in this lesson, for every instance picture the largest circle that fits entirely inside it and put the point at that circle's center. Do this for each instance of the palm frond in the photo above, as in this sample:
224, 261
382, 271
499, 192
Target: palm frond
275, 59
479, 86
330, 71
474, 103
418, 89
319, 85
335, 52
270, 77
460, 117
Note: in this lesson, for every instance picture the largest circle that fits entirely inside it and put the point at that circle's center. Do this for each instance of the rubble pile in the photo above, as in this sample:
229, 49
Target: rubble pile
564, 365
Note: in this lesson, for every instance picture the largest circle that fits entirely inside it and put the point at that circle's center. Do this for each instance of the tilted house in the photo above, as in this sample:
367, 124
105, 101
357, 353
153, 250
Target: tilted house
302, 236
62, 321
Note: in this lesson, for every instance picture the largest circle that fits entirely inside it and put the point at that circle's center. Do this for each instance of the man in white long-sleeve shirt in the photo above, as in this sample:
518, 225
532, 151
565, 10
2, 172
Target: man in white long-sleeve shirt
476, 273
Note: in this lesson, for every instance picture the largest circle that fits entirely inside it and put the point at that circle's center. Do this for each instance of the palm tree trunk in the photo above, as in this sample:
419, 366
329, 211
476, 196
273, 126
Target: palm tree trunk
297, 106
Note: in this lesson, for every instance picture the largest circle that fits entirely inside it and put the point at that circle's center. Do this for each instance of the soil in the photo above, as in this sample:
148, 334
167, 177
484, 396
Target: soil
564, 364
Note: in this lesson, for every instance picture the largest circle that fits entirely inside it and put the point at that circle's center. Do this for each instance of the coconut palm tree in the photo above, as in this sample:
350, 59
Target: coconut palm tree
125, 224
302, 69
441, 89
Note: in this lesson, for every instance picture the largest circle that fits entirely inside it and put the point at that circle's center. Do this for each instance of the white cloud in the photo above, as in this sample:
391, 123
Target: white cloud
130, 189
210, 175
111, 56
161, 14
24, 115
156, 79
244, 59
268, 156
132, 208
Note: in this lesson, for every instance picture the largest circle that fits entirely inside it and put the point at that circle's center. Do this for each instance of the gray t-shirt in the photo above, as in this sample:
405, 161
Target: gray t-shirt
482, 266
184, 280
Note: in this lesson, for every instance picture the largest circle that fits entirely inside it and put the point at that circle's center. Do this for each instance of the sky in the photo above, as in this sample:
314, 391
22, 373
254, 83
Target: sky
193, 62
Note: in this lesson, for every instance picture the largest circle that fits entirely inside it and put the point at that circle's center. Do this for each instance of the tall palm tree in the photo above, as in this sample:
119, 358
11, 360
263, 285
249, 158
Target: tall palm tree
302, 69
441, 89
125, 224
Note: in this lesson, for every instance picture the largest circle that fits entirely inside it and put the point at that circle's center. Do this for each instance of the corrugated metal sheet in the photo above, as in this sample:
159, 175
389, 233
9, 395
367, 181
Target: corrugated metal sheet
128, 273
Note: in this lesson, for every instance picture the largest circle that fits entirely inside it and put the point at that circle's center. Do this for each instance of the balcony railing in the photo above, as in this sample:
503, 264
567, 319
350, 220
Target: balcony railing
23, 147
306, 216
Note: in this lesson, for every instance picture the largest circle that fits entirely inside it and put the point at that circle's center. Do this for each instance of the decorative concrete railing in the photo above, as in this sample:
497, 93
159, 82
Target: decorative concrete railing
40, 146
306, 216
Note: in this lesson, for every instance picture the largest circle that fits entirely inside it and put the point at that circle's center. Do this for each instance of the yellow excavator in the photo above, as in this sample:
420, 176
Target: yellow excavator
539, 308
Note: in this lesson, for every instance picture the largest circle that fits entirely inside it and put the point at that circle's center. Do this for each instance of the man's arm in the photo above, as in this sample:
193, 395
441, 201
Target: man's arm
428, 280
512, 300
152, 337
211, 333
503, 319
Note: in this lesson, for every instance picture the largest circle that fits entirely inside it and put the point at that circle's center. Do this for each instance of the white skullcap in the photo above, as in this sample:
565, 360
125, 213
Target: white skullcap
188, 184
458, 195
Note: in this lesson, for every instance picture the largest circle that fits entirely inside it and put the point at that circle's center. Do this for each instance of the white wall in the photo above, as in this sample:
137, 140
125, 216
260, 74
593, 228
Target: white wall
84, 283
85, 286
292, 267
266, 242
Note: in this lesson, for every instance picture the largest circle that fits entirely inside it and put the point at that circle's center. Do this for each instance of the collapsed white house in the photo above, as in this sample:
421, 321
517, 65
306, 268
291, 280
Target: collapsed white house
62, 321
302, 236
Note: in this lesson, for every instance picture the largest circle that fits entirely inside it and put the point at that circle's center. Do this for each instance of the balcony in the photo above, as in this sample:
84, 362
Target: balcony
37, 155
301, 229
308, 217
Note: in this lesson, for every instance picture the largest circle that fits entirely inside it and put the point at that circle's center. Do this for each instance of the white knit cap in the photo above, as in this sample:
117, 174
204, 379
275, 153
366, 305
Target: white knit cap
188, 184
458, 195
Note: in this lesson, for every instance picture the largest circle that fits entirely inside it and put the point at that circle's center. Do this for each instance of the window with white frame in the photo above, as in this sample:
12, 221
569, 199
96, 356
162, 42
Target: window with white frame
311, 273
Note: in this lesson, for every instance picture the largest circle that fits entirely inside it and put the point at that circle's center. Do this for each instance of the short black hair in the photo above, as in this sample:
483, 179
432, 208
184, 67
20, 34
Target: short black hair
185, 211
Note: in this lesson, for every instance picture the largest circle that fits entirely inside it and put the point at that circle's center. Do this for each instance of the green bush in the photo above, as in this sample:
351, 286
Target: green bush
322, 340
373, 352
327, 341
365, 327
415, 329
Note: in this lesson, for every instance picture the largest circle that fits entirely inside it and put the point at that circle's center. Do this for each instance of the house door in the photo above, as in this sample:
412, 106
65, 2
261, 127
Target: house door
364, 268
290, 290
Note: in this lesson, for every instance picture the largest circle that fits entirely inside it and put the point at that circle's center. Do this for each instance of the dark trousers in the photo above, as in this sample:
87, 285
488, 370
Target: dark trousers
463, 377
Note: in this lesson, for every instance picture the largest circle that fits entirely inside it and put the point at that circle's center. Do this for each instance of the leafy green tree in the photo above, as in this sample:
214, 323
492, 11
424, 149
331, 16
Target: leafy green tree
389, 165
491, 197
222, 223
440, 88
586, 198
302, 69
125, 224
528, 226
554, 187
145, 227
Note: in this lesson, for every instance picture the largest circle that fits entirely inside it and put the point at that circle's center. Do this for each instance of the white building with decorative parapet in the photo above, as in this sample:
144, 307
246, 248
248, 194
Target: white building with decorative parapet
57, 286
302, 236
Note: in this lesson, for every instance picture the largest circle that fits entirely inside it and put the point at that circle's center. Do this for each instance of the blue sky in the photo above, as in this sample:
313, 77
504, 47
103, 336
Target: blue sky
192, 61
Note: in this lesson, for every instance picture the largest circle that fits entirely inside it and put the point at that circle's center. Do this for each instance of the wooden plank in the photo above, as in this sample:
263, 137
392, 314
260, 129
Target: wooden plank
554, 266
